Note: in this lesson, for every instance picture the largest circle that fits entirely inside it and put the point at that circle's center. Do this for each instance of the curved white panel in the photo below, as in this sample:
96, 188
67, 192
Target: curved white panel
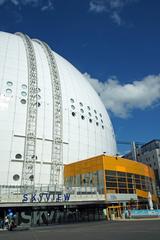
86, 134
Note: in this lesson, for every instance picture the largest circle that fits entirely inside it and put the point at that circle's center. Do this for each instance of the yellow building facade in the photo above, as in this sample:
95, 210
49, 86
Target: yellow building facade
118, 179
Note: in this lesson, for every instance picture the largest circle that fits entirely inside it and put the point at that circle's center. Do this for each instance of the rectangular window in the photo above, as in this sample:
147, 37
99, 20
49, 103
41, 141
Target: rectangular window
122, 185
137, 176
130, 180
138, 186
111, 179
121, 190
130, 185
129, 175
111, 173
121, 174
111, 190
120, 179
111, 184
137, 181
143, 187
130, 191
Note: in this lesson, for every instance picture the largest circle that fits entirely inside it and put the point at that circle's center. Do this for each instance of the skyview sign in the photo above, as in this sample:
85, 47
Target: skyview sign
45, 197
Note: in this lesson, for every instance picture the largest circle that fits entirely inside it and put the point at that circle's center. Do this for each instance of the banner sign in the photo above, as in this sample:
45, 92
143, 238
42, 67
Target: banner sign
145, 213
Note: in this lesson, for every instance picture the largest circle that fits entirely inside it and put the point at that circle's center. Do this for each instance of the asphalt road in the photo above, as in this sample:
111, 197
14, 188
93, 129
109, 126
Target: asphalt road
136, 230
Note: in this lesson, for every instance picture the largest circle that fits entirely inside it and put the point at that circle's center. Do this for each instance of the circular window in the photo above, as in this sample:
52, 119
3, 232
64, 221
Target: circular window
102, 126
73, 114
16, 177
23, 101
96, 117
8, 91
9, 83
100, 115
38, 104
101, 120
89, 114
82, 111
18, 156
72, 100
95, 111
31, 178
97, 123
82, 117
73, 107
81, 104
39, 89
24, 86
88, 108
39, 97
90, 120
23, 93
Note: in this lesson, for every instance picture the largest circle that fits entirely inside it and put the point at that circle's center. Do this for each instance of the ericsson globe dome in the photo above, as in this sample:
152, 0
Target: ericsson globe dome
49, 113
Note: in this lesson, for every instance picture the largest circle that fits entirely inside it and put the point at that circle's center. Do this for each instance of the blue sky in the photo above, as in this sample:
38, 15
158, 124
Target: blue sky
115, 43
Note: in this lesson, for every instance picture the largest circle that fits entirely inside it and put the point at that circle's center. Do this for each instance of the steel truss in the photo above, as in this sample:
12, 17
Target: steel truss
28, 170
56, 171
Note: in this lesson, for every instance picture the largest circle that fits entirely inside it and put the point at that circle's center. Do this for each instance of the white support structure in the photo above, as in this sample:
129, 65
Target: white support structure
28, 171
56, 171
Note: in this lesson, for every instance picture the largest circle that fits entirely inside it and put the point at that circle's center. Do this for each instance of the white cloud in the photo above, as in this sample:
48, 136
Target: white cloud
112, 7
48, 6
42, 4
97, 6
122, 99
116, 18
15, 2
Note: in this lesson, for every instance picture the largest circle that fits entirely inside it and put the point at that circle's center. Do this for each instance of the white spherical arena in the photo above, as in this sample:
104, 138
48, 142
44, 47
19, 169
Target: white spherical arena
85, 129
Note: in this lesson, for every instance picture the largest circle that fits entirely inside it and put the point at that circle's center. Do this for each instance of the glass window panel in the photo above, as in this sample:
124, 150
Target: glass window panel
143, 187
122, 185
130, 185
10, 83
109, 178
8, 90
137, 181
23, 101
138, 186
120, 179
121, 190
24, 86
111, 190
73, 107
16, 177
130, 191
111, 173
121, 174
23, 93
129, 175
137, 176
111, 184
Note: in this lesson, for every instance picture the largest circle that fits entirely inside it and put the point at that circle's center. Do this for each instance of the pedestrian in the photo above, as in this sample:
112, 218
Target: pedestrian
2, 223
6, 222
129, 213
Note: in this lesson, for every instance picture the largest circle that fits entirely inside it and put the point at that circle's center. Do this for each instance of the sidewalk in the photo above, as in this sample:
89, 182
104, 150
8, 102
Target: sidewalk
139, 219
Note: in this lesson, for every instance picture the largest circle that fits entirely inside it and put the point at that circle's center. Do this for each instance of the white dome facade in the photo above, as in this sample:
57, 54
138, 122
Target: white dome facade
85, 127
